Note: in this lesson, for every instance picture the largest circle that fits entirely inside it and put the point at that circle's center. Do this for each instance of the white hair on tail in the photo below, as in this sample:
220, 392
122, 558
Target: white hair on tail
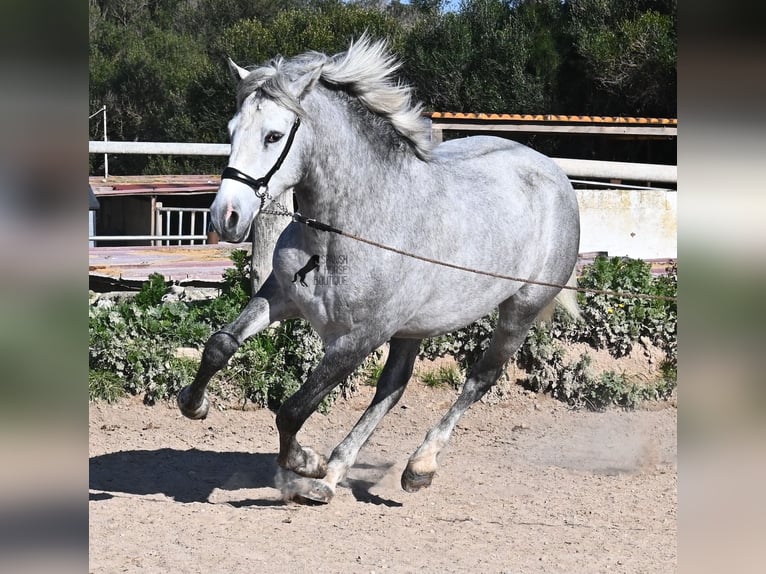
566, 299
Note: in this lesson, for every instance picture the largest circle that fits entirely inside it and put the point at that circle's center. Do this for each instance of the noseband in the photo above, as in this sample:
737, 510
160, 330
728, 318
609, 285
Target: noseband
262, 182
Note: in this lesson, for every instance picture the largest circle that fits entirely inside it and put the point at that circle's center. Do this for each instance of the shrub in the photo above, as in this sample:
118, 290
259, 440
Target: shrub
135, 346
617, 323
466, 345
441, 376
151, 292
610, 322
132, 343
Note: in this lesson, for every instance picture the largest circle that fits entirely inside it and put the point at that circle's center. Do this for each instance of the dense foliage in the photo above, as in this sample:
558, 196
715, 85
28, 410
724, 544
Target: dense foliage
613, 323
159, 65
133, 344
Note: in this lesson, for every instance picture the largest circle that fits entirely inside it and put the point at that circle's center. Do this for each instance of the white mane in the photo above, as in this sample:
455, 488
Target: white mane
364, 71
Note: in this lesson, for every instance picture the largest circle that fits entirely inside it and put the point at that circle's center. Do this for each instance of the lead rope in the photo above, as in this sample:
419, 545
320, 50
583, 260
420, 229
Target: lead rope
313, 223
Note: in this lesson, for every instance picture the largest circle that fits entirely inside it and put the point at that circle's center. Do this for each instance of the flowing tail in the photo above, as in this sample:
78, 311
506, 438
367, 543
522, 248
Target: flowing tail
567, 298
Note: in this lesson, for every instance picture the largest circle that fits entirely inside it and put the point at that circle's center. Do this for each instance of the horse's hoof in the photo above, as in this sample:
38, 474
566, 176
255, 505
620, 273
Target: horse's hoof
194, 412
314, 491
301, 489
314, 465
305, 462
412, 481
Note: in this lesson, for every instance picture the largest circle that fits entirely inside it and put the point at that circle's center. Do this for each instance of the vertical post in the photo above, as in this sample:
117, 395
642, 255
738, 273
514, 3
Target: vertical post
106, 156
192, 230
437, 136
153, 218
158, 222
91, 226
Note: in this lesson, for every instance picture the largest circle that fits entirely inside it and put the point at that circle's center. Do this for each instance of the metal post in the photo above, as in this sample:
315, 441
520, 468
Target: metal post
106, 156
158, 222
168, 217
153, 217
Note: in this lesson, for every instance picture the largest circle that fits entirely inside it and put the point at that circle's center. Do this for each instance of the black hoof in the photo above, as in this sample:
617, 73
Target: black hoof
412, 482
194, 412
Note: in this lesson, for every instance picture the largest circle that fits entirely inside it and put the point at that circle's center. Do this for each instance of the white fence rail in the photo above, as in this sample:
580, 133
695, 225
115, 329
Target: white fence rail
618, 170
177, 225
158, 148
572, 167
171, 225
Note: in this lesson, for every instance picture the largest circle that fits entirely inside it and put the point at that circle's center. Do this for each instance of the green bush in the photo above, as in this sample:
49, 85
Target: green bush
465, 345
574, 383
610, 322
618, 323
133, 343
137, 345
151, 292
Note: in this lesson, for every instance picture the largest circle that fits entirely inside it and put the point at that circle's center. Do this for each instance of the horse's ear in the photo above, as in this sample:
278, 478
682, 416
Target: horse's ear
303, 84
237, 73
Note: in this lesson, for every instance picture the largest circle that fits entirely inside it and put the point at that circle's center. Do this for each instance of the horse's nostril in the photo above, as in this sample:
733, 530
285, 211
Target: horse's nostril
232, 219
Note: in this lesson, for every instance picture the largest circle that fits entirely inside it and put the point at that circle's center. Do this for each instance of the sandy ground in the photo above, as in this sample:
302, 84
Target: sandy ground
526, 485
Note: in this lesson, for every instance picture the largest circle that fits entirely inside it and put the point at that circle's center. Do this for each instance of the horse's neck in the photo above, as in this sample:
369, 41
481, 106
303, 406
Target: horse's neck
348, 178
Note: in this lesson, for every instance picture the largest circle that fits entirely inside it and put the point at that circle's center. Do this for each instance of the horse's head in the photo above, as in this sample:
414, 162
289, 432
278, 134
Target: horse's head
269, 151
266, 147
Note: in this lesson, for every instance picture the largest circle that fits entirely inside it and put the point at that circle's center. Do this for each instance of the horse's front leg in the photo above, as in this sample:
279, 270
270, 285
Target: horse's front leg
266, 307
302, 465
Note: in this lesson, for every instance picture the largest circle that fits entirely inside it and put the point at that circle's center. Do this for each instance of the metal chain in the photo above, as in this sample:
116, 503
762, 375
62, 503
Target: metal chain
281, 209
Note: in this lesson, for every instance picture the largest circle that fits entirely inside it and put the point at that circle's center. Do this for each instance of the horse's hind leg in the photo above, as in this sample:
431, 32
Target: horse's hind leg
393, 380
267, 306
513, 323
389, 390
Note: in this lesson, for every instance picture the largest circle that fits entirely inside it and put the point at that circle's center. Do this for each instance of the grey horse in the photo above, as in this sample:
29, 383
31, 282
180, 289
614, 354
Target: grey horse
347, 138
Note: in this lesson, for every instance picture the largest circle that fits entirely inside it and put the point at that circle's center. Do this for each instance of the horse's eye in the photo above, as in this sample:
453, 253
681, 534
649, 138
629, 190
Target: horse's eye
273, 137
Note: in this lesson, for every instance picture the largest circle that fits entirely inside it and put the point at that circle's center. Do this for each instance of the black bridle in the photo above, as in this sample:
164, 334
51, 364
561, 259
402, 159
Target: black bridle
262, 182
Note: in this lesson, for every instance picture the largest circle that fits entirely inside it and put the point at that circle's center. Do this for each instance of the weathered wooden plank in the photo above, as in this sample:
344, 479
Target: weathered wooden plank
643, 130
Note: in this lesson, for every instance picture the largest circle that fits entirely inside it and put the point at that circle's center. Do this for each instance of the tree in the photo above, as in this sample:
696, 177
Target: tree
627, 50
160, 65
492, 56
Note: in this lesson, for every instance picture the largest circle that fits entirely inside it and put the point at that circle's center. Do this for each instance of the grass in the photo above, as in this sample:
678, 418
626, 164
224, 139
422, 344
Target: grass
372, 374
442, 376
105, 385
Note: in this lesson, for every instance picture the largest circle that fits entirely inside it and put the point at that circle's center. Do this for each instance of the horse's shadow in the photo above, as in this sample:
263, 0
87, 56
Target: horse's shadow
192, 475
183, 475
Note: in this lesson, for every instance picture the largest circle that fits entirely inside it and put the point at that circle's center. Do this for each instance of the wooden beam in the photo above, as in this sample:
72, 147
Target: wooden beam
657, 131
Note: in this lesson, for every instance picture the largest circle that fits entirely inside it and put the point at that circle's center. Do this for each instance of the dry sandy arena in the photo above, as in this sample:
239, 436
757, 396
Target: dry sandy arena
526, 485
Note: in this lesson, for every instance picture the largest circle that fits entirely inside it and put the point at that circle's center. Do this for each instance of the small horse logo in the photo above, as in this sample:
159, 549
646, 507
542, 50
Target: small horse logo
308, 268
